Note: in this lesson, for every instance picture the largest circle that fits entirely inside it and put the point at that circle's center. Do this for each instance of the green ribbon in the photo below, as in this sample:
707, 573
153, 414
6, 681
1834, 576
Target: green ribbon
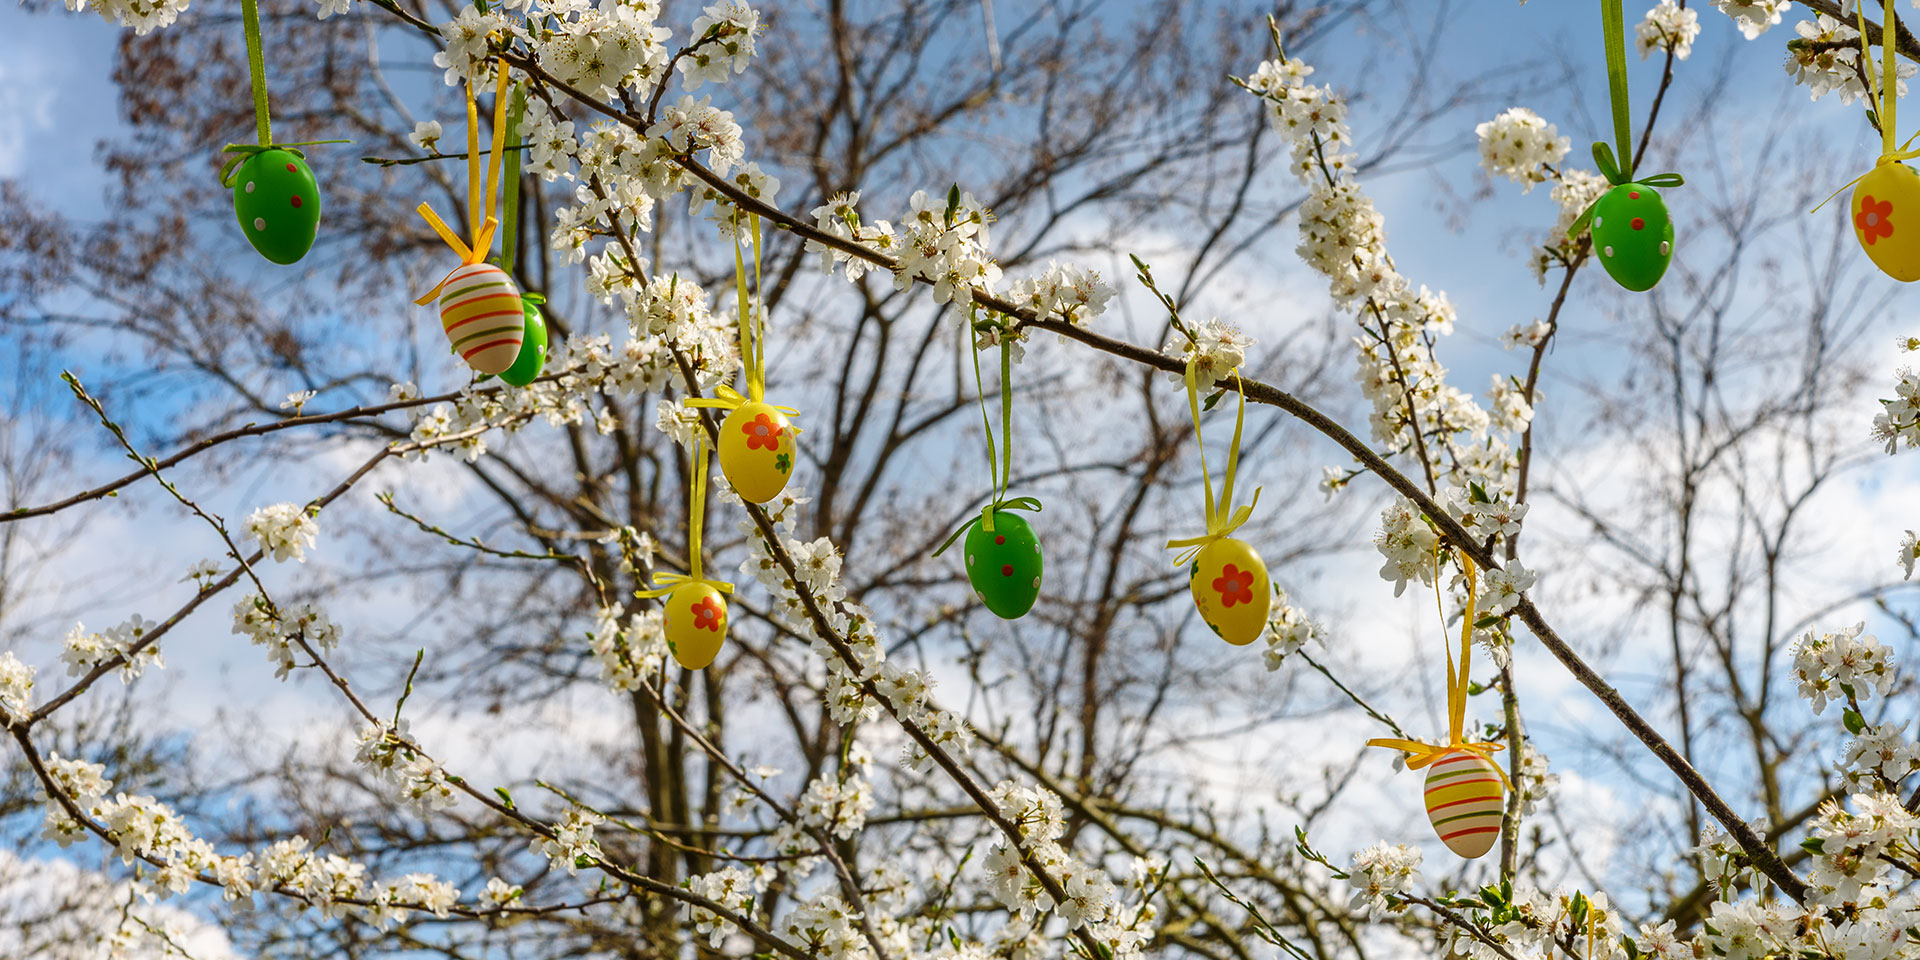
242, 152
1618, 169
256, 68
510, 183
999, 468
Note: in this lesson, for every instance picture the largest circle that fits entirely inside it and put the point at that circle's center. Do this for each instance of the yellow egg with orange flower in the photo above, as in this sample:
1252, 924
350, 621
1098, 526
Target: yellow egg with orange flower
696, 623
1886, 219
1231, 590
757, 451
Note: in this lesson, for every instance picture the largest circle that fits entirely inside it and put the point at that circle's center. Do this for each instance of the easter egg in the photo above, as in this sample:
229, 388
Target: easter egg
1230, 588
277, 203
1463, 793
533, 349
1632, 235
757, 451
1004, 564
1886, 219
481, 311
696, 623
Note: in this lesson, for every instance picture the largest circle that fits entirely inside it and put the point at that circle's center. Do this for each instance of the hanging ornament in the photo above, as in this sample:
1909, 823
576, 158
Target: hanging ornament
1226, 576
757, 441
1886, 199
1632, 234
480, 307
1004, 563
275, 198
1464, 787
696, 614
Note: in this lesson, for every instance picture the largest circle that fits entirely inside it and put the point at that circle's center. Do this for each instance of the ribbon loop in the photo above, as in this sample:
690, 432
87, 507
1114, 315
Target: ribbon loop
481, 219
1223, 519
666, 583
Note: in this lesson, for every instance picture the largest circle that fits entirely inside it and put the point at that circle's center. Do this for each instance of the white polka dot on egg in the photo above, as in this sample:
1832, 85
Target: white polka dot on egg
249, 186
259, 223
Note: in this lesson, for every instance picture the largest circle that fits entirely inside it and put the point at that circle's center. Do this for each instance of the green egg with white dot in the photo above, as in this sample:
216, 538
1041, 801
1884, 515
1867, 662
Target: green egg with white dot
1004, 564
1632, 235
277, 203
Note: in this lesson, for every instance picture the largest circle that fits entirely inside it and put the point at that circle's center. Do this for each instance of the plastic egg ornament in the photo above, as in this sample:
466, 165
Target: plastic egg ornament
277, 203
481, 311
1463, 795
1231, 590
696, 623
1632, 235
1886, 219
757, 451
533, 347
1004, 564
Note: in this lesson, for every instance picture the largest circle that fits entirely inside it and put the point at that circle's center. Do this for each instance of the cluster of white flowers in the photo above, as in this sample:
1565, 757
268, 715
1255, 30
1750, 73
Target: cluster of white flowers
141, 828
82, 650
1909, 552
278, 629
1753, 16
630, 653
1288, 629
1072, 293
1668, 26
388, 752
1898, 423
283, 530
1382, 872
723, 40
144, 16
469, 40
1518, 145
1091, 899
1828, 60
730, 887
944, 242
840, 217
1408, 541
1215, 348
1848, 665
16, 688
572, 841
1880, 754
1536, 781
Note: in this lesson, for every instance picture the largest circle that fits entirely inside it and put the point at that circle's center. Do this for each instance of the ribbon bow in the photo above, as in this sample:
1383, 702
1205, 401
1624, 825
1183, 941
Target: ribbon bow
483, 229
1617, 171
1420, 753
666, 583
1884, 96
1000, 469
1226, 518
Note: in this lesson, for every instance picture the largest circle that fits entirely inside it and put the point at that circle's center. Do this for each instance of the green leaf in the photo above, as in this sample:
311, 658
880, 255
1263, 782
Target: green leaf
1489, 621
1855, 722
1479, 493
1814, 845
1212, 399
506, 798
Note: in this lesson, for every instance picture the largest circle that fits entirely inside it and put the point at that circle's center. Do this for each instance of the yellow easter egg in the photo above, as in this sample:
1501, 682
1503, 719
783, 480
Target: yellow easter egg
1231, 590
757, 451
1463, 793
696, 624
1886, 219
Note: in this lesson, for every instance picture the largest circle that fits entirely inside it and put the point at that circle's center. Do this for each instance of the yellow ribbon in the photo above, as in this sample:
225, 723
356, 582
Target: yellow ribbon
1419, 753
753, 340
665, 583
1885, 98
1221, 522
483, 228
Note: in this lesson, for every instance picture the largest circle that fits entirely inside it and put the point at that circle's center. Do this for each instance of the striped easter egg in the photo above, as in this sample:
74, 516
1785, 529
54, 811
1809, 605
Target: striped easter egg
480, 310
1463, 802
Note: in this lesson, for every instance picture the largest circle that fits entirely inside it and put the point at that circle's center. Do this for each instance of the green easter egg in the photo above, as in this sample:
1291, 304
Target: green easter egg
1632, 235
1004, 565
277, 203
533, 349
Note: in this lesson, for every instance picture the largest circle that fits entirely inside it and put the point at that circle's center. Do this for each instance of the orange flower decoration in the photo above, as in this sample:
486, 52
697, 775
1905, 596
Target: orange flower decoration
1234, 585
709, 614
764, 433
1875, 220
